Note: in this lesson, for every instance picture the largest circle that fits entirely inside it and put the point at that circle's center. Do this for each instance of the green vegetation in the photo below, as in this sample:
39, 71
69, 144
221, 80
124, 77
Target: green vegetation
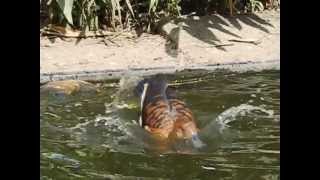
117, 15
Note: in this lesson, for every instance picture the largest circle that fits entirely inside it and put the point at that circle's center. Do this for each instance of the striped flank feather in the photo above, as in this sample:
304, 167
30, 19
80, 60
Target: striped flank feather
161, 111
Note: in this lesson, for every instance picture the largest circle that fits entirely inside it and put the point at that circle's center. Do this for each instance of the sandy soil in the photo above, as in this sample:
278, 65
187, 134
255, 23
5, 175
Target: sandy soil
199, 44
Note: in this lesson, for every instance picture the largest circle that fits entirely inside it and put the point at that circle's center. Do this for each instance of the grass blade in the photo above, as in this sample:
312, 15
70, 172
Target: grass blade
130, 8
66, 7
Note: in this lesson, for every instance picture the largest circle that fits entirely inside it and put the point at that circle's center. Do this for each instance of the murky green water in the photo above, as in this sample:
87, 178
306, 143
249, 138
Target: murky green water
97, 137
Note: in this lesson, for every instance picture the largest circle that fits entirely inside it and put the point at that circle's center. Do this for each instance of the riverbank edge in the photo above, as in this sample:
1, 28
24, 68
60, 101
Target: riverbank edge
108, 74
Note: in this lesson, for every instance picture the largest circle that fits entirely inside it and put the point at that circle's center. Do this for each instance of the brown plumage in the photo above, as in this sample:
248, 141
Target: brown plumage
163, 114
159, 118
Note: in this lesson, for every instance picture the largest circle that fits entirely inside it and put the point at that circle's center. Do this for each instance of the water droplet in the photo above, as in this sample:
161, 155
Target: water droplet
258, 90
208, 168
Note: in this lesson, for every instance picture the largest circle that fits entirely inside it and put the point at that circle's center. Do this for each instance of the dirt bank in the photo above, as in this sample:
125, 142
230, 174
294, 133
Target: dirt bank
203, 43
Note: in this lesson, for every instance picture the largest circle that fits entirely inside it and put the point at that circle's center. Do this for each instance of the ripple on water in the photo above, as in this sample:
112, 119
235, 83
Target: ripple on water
98, 137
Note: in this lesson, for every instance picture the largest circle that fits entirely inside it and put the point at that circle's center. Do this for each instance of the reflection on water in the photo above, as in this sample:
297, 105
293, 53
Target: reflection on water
98, 136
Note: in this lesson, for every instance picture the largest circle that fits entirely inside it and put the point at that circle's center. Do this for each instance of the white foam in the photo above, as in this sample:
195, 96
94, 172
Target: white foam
113, 124
208, 168
80, 126
230, 114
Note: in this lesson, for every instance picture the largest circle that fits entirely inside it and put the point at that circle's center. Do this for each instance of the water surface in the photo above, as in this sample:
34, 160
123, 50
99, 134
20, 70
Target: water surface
97, 137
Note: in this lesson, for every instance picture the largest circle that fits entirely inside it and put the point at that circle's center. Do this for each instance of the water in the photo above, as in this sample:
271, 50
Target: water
97, 137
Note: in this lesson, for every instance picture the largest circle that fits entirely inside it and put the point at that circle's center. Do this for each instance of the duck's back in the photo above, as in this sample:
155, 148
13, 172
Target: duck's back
160, 105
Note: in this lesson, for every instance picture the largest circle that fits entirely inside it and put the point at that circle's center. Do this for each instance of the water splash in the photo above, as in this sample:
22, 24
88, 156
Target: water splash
63, 159
113, 124
117, 106
217, 132
124, 98
113, 130
126, 88
232, 113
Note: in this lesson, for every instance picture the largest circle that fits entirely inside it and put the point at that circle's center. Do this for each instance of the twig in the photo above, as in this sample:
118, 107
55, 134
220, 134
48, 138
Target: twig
68, 33
111, 42
221, 45
218, 45
86, 35
253, 41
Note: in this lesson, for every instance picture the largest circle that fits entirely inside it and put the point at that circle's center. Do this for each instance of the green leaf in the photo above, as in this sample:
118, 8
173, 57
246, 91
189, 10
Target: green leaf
130, 8
113, 7
66, 7
153, 5
119, 11
259, 6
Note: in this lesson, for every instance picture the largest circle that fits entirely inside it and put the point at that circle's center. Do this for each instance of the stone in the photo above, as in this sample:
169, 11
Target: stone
68, 87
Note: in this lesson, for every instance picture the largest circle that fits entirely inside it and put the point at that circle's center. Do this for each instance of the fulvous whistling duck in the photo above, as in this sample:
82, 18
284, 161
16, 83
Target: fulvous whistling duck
163, 114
